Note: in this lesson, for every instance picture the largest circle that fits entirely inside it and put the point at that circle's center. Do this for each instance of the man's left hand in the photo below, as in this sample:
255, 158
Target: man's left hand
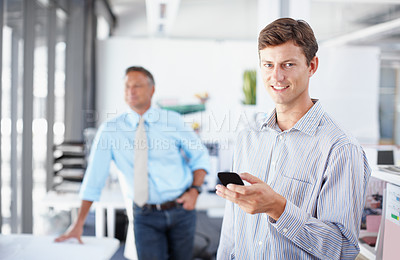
188, 199
259, 197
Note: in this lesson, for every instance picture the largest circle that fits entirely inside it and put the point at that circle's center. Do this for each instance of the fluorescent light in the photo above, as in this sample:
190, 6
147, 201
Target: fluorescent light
161, 15
365, 34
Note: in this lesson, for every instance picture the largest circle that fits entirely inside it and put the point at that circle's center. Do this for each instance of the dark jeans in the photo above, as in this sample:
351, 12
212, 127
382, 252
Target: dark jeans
164, 234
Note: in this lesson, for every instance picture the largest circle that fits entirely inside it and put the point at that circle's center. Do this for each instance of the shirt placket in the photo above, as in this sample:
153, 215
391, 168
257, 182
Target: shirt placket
276, 151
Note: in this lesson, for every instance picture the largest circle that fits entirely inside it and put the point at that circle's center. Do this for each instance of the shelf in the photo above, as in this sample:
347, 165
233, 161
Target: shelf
184, 109
367, 251
385, 176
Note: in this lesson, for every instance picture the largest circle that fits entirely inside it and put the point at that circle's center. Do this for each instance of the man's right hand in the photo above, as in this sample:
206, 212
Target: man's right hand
258, 197
74, 231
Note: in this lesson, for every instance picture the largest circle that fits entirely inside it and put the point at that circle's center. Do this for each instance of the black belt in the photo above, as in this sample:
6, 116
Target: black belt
164, 206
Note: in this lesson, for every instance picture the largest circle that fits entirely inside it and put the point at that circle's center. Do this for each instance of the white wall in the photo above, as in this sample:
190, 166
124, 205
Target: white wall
346, 81
347, 84
181, 68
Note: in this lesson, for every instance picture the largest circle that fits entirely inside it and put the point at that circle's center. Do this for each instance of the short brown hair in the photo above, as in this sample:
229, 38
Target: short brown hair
287, 29
142, 70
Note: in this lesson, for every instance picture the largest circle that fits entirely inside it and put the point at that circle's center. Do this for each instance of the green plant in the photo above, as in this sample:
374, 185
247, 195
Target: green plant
249, 87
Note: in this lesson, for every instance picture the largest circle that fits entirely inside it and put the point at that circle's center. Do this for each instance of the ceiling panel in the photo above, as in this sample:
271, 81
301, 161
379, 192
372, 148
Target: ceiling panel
237, 19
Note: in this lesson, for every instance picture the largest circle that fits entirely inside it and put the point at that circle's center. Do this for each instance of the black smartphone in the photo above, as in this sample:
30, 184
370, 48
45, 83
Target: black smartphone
230, 177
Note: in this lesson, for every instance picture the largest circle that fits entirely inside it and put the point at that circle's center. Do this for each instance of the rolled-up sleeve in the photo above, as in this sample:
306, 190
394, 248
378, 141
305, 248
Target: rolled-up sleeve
98, 167
196, 152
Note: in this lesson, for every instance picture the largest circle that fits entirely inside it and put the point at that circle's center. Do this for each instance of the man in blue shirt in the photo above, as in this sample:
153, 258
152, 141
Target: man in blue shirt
307, 176
177, 164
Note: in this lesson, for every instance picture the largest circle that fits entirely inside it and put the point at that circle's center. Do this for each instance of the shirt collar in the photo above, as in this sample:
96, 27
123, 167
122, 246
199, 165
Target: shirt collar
307, 124
150, 116
270, 122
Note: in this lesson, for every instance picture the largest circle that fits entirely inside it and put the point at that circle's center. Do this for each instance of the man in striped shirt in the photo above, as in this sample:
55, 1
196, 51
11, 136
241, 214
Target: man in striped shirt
307, 176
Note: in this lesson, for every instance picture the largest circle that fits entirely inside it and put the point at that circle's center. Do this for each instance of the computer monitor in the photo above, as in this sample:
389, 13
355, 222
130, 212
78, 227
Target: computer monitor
385, 157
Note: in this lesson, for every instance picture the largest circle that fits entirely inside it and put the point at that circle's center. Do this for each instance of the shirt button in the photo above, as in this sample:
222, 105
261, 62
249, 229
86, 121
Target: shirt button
285, 230
310, 249
273, 163
260, 243
280, 137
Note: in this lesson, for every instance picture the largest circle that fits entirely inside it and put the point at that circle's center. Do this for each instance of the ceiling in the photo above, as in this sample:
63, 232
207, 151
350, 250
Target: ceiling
351, 21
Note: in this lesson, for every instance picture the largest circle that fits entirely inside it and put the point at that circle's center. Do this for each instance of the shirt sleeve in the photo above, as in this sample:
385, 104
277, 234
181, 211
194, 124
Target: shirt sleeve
98, 167
334, 230
194, 149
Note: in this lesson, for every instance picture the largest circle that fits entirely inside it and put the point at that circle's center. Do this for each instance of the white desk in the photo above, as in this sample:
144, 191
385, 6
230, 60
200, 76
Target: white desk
112, 199
385, 176
26, 246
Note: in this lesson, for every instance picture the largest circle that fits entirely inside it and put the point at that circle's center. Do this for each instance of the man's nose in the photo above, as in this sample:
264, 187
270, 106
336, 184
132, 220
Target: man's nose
131, 90
278, 74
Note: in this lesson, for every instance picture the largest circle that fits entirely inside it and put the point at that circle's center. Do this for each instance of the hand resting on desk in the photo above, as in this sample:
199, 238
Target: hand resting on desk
76, 228
73, 231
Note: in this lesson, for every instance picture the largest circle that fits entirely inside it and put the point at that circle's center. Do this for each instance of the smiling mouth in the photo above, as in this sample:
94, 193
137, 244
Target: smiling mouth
279, 87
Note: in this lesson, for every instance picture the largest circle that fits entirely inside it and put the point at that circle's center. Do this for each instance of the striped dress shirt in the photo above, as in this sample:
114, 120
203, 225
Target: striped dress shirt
320, 170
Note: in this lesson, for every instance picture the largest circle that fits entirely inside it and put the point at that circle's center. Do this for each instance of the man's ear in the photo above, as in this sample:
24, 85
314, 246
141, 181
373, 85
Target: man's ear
313, 66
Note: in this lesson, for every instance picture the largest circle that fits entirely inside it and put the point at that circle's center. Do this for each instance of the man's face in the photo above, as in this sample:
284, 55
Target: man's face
138, 91
285, 73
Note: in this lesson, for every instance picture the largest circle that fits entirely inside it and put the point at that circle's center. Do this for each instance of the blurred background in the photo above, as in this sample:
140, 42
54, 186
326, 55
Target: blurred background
62, 69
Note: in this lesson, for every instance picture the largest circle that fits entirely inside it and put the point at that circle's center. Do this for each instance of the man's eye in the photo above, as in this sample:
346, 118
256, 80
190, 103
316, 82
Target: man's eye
288, 65
268, 65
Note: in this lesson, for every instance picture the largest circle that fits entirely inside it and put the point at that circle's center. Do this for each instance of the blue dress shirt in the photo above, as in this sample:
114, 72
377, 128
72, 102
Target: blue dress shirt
175, 151
320, 170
